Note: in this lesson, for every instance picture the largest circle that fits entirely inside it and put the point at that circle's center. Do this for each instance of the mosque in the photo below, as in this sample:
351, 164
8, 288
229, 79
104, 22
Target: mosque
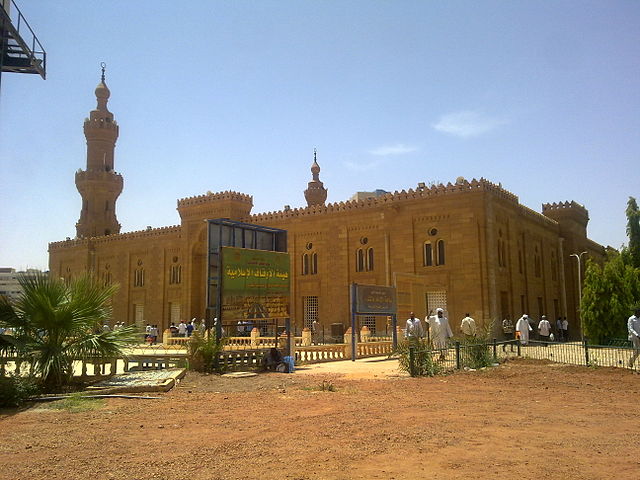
466, 247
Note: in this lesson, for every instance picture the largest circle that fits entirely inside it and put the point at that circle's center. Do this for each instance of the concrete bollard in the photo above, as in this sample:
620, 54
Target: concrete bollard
255, 337
365, 334
306, 337
347, 343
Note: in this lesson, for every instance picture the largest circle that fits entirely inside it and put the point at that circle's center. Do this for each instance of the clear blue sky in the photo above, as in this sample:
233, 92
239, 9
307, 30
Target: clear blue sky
543, 97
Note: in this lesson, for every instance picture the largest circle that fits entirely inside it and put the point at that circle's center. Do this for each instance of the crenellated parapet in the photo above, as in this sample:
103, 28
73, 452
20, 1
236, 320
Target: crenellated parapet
460, 187
138, 234
571, 216
68, 243
146, 233
567, 209
227, 204
213, 197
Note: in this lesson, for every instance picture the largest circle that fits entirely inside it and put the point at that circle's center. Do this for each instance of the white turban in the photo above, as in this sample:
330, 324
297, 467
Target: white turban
439, 310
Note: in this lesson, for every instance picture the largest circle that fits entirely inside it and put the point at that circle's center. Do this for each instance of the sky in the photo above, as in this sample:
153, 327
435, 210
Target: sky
542, 97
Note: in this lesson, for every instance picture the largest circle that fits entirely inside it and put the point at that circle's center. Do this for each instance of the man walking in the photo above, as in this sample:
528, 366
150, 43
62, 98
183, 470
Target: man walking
523, 328
468, 327
559, 329
633, 325
544, 330
565, 329
440, 331
414, 327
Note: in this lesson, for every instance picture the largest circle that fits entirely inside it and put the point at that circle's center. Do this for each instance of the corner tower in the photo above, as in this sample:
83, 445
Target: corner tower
99, 185
315, 193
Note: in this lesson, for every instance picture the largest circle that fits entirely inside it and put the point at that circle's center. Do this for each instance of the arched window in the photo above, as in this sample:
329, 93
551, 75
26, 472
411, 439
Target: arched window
314, 263
370, 259
359, 260
536, 262
138, 278
440, 247
428, 254
305, 264
175, 274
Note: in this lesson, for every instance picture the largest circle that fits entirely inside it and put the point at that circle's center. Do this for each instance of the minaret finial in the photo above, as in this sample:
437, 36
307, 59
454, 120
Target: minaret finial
103, 65
314, 155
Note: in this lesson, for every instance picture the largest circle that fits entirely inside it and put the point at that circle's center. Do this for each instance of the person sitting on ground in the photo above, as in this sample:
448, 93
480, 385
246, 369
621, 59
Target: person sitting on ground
272, 360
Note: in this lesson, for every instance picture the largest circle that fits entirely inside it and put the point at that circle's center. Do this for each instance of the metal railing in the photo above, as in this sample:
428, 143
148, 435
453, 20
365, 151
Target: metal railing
21, 50
459, 355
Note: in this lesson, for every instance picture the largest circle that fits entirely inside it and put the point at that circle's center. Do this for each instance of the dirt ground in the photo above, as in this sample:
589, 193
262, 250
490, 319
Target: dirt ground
524, 420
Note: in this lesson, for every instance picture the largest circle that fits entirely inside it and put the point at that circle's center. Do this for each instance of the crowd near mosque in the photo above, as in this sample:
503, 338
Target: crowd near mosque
438, 331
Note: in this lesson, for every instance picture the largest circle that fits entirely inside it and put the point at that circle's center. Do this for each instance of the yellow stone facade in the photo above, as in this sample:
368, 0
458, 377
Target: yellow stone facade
469, 246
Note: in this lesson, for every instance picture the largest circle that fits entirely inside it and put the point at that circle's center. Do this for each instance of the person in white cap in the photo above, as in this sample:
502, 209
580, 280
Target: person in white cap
468, 327
523, 328
544, 329
439, 330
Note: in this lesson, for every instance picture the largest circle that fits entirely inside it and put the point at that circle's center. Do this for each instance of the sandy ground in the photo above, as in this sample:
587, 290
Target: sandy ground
524, 420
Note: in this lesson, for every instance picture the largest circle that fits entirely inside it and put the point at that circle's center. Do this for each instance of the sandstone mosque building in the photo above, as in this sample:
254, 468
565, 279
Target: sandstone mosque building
468, 247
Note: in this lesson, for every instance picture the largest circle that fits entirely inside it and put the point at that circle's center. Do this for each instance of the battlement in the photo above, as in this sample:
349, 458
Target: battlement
570, 215
567, 209
422, 191
563, 206
118, 237
215, 197
227, 204
147, 232
68, 243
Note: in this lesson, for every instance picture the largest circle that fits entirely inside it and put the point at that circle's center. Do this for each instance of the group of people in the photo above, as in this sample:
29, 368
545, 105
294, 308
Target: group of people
526, 327
184, 329
437, 329
151, 334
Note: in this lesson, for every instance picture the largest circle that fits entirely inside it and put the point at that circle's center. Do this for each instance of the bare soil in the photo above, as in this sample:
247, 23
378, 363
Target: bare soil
524, 420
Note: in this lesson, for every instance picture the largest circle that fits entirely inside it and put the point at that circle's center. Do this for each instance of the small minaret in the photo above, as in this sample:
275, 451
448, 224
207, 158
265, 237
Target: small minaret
315, 193
99, 185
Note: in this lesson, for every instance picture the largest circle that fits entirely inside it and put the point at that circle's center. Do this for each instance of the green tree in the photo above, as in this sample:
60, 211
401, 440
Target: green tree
54, 324
633, 231
609, 294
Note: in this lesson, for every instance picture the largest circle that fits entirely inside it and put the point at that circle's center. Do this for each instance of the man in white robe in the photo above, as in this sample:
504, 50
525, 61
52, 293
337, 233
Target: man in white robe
523, 328
439, 330
633, 326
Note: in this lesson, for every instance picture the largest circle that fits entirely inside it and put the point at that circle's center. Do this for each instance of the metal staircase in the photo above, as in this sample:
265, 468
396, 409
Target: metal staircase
20, 49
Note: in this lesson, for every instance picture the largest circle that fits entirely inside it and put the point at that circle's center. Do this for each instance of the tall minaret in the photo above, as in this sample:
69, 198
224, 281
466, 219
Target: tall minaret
315, 193
99, 185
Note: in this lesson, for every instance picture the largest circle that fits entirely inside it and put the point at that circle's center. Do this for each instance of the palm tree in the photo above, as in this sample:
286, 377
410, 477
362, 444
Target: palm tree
55, 323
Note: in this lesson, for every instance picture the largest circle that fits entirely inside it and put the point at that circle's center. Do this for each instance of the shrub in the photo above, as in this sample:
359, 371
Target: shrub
16, 390
423, 364
203, 352
476, 352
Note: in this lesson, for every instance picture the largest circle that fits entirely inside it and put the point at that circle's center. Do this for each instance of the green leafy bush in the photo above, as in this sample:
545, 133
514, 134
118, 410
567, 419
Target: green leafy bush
423, 362
476, 352
203, 352
15, 390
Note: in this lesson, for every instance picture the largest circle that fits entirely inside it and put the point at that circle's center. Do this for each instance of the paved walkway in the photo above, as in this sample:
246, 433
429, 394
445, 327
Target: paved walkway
366, 368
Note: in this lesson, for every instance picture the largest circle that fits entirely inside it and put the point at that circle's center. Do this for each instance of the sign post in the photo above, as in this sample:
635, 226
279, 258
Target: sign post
372, 300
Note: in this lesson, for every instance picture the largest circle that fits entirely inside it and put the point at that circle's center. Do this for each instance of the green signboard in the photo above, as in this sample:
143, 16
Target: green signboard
255, 284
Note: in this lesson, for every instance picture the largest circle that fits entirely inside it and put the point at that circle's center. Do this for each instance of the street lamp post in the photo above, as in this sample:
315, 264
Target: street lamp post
579, 259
